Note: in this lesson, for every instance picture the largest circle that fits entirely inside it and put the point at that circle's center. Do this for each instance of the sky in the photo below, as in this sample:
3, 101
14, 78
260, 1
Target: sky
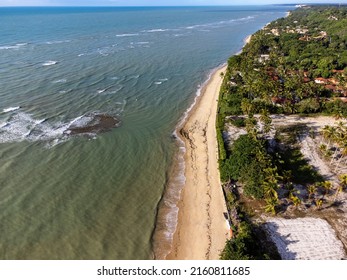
154, 2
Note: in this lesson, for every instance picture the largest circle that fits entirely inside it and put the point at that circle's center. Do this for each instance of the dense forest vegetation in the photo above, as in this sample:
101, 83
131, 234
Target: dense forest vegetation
296, 64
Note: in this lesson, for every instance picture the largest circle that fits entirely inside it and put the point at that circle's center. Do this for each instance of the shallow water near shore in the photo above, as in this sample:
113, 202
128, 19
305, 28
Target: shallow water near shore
96, 195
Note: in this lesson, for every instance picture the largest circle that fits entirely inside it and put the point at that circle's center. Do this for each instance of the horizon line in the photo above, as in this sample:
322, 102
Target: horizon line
163, 6
159, 6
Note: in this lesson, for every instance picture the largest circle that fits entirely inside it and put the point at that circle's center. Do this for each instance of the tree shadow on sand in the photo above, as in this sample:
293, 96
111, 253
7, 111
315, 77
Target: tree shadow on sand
281, 241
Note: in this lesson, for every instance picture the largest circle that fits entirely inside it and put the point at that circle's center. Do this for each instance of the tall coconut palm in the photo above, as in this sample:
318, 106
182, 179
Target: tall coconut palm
341, 129
266, 120
329, 134
247, 107
343, 154
251, 127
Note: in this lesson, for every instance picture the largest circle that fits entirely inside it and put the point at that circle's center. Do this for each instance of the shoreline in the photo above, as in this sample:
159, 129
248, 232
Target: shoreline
248, 39
201, 229
201, 234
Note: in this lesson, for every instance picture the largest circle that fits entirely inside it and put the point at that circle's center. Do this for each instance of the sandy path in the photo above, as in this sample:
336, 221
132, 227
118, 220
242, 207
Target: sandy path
202, 229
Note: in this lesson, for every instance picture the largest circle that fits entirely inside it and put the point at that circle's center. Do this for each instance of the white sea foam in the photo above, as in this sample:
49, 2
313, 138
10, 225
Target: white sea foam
218, 23
110, 89
59, 81
141, 43
40, 121
10, 109
109, 50
155, 30
128, 35
3, 124
24, 127
8, 47
134, 77
160, 81
57, 42
79, 121
117, 89
49, 63
181, 35
13, 47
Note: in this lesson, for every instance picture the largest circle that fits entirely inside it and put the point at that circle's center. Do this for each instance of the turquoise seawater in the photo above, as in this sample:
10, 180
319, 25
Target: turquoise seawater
96, 196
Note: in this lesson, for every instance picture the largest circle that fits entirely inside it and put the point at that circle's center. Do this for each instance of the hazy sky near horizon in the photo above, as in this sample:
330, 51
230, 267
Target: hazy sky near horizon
153, 2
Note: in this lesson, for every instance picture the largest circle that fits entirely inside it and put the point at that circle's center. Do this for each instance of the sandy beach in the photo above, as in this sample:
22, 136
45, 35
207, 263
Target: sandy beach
202, 229
248, 39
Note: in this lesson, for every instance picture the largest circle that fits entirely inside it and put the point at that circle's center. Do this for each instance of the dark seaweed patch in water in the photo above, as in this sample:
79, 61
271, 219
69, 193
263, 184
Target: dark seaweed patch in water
98, 124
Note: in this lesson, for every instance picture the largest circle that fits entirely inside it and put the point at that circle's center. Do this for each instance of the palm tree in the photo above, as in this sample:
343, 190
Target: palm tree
287, 176
343, 180
343, 154
266, 120
251, 127
323, 148
341, 129
270, 189
327, 185
271, 204
296, 200
319, 203
311, 190
328, 134
247, 107
338, 115
270, 184
338, 190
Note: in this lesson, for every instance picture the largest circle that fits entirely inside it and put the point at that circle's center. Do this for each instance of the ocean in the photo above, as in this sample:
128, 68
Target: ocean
89, 102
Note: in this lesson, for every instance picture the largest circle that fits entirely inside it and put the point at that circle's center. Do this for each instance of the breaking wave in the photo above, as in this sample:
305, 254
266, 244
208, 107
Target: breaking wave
22, 126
